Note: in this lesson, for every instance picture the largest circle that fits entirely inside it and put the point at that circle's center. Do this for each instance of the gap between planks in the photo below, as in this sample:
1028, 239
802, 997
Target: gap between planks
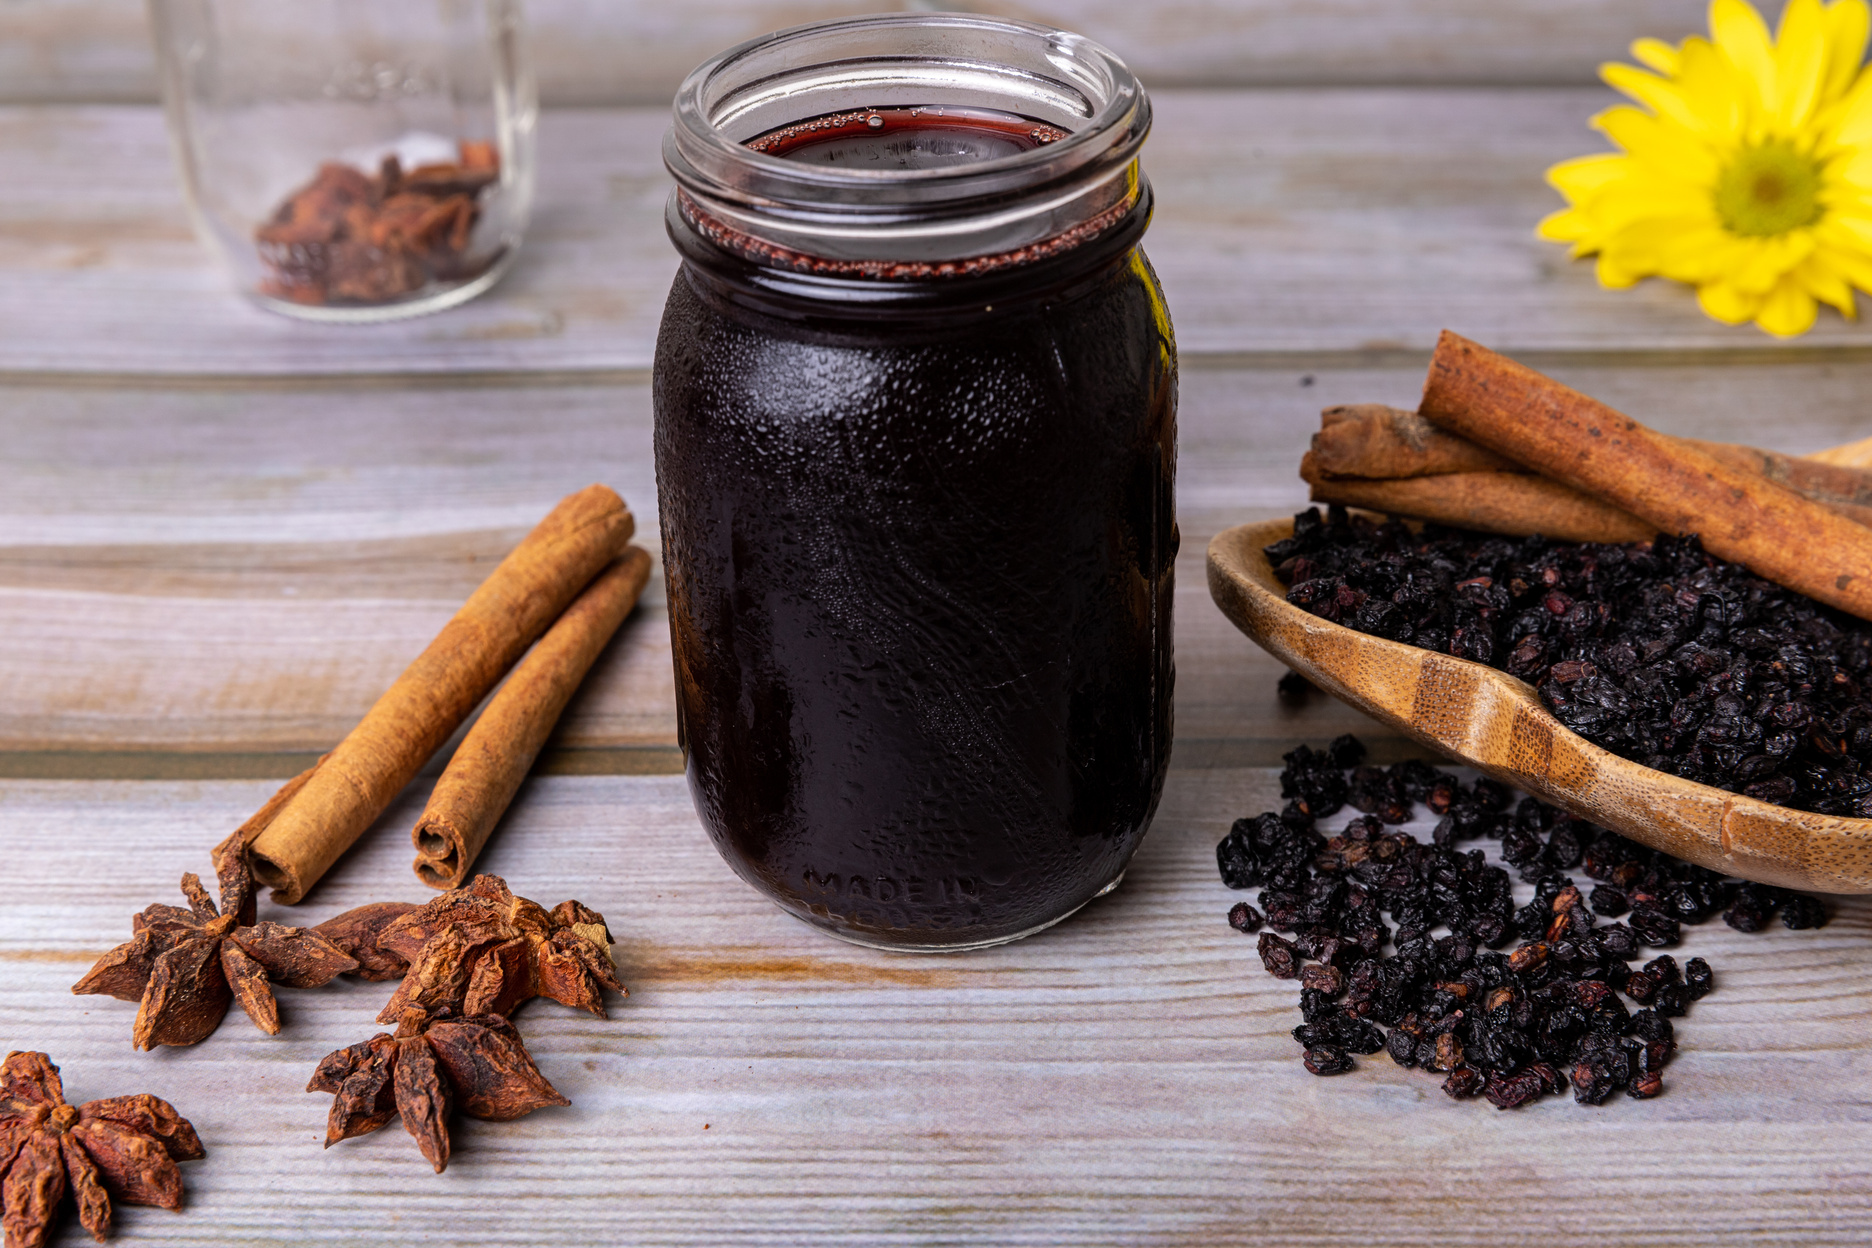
1191, 754
1189, 360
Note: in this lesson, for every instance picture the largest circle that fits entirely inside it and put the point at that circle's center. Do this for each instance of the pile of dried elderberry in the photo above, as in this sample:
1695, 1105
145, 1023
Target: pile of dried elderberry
1656, 651
1510, 1026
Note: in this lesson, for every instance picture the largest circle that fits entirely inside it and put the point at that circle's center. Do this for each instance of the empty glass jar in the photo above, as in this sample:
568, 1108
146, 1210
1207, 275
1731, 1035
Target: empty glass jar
352, 160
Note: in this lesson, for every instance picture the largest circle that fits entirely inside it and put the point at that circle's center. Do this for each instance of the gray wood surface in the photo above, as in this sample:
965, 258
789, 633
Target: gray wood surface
1125, 1078
636, 51
221, 535
1290, 225
218, 580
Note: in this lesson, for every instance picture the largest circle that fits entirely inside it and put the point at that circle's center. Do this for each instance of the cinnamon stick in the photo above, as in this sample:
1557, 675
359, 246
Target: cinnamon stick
1386, 459
1852, 455
1375, 442
1846, 489
350, 787
230, 856
1513, 503
1560, 433
492, 760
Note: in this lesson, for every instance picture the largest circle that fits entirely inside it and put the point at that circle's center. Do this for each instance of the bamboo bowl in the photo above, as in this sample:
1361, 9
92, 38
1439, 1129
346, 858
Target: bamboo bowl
1498, 725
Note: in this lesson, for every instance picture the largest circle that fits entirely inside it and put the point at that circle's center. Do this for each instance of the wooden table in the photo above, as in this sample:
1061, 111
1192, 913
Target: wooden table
222, 534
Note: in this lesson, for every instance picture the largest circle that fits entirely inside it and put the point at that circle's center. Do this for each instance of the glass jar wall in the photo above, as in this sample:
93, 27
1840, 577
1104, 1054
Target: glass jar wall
352, 160
915, 432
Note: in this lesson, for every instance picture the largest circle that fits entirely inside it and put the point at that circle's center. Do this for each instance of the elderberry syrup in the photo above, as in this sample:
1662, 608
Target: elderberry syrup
915, 397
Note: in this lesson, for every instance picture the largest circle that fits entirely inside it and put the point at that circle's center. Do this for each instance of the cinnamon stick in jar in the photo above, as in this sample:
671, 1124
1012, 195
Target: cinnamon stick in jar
341, 797
492, 760
1539, 423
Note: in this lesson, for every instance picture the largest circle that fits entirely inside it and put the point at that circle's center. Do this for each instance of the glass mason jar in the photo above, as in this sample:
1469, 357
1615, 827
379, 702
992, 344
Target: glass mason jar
352, 160
915, 395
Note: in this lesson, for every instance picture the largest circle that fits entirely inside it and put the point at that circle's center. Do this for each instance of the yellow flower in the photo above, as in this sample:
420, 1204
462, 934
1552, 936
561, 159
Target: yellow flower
1747, 173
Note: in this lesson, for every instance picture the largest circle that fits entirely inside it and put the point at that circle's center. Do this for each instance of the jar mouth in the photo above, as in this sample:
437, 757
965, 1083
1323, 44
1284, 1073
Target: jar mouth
931, 61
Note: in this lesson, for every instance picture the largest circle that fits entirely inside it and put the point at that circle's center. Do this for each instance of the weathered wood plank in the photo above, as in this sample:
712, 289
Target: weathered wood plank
1290, 224
1124, 1078
636, 52
240, 570
1251, 43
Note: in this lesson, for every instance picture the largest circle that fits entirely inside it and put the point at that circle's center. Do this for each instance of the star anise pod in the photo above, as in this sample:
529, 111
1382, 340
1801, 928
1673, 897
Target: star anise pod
184, 966
357, 932
121, 1147
433, 1063
482, 950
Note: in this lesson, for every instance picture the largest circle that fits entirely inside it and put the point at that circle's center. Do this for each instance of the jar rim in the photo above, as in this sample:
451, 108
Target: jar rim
917, 60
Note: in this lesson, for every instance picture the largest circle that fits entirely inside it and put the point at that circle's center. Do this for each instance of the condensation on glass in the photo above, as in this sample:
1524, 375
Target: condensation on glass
915, 396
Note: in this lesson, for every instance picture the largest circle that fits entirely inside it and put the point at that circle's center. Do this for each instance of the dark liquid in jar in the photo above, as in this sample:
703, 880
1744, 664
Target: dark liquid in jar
919, 574
906, 138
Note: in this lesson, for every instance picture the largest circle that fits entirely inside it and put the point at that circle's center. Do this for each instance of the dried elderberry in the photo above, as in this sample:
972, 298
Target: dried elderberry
1464, 1082
1326, 1060
1609, 901
1657, 651
1279, 957
1294, 689
1245, 918
1506, 1024
1800, 913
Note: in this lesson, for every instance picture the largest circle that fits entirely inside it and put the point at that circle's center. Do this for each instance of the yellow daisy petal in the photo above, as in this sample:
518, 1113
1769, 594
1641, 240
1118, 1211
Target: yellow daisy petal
1586, 175
1848, 23
1848, 228
1850, 261
1567, 226
1826, 281
1715, 90
1664, 97
1850, 175
1843, 229
1800, 63
1657, 144
1636, 202
1673, 247
1697, 253
1788, 310
1614, 276
1656, 54
1723, 302
1740, 34
1848, 123
1765, 261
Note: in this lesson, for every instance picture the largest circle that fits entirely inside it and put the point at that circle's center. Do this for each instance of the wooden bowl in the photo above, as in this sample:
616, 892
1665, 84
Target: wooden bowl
1497, 724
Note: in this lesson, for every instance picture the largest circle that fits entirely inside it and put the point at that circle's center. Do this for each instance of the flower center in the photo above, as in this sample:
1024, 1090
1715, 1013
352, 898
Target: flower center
1768, 189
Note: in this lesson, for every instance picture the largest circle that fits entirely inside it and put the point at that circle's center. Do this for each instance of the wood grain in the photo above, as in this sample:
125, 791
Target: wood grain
1292, 227
195, 579
1125, 1078
636, 51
